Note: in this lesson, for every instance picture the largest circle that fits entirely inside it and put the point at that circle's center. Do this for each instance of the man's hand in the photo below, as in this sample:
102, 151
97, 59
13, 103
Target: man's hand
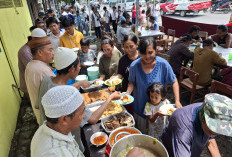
115, 96
84, 84
135, 152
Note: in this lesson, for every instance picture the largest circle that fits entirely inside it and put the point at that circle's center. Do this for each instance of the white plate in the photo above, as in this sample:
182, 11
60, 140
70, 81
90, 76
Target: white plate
88, 63
164, 108
98, 134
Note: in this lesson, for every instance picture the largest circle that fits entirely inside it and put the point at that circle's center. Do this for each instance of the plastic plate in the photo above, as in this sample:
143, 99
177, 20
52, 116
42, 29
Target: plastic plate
164, 109
122, 103
115, 84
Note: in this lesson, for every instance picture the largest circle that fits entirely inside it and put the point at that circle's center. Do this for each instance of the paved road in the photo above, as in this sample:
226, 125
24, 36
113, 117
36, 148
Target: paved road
210, 18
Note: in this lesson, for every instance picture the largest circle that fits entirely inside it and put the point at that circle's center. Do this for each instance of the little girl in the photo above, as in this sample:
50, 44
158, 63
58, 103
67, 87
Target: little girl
157, 121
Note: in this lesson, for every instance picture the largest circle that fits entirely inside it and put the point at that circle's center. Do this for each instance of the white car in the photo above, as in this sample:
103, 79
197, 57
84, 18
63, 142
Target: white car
128, 4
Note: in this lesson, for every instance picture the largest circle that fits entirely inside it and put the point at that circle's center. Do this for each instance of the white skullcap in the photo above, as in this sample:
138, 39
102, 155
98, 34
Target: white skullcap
61, 100
64, 57
38, 33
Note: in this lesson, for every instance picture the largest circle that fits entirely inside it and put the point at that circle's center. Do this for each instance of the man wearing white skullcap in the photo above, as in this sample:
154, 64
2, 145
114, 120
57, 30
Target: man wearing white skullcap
24, 57
68, 67
64, 108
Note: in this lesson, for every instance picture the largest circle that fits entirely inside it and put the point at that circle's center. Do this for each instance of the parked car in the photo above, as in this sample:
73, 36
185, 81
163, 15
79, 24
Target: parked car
94, 4
184, 6
128, 4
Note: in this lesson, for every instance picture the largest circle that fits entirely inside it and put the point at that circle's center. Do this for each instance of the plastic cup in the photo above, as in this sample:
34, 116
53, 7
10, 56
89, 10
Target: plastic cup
230, 56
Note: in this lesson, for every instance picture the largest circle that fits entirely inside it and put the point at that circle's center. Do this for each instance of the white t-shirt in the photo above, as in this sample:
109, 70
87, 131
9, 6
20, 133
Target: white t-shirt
85, 15
114, 15
107, 16
56, 40
35, 71
96, 19
50, 143
156, 13
121, 32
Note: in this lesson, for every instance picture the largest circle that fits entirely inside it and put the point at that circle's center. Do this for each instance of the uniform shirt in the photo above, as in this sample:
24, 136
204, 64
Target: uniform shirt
109, 66
71, 41
162, 73
85, 15
96, 20
184, 135
50, 143
47, 84
156, 13
35, 71
204, 60
56, 40
24, 57
114, 15
107, 16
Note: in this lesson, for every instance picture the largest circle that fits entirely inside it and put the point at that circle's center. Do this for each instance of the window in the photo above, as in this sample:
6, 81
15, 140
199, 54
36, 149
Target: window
9, 3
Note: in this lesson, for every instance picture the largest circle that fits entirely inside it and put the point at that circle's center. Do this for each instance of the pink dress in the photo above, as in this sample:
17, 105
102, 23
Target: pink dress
133, 10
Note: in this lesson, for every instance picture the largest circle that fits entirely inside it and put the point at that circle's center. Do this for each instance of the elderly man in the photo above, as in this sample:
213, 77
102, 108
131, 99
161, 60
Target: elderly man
64, 109
193, 127
222, 37
42, 52
25, 56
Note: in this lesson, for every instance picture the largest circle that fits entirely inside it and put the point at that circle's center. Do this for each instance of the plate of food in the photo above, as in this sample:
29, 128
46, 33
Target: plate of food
125, 100
168, 109
113, 82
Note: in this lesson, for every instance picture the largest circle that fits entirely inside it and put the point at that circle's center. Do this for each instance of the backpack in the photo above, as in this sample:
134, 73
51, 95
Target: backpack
110, 18
87, 18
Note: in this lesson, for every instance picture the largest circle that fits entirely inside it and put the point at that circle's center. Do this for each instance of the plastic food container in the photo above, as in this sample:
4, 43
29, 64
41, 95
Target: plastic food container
81, 78
93, 72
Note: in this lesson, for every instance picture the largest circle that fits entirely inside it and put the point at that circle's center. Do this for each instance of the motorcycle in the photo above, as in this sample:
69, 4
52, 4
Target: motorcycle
225, 7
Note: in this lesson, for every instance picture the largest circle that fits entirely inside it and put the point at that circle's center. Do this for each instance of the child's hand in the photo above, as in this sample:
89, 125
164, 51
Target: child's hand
160, 114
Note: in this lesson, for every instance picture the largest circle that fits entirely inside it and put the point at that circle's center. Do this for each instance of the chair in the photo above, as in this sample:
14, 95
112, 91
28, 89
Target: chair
221, 88
190, 83
161, 45
164, 56
203, 34
171, 36
161, 28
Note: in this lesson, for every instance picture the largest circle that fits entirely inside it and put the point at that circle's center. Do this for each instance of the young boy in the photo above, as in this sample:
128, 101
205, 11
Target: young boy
154, 24
85, 54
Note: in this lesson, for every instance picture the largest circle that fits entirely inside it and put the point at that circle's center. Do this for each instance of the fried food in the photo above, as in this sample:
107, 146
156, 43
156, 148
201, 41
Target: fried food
126, 99
94, 96
170, 111
112, 108
119, 120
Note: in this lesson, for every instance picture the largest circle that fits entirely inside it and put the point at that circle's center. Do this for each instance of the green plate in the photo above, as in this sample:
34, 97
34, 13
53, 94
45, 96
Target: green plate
122, 103
115, 84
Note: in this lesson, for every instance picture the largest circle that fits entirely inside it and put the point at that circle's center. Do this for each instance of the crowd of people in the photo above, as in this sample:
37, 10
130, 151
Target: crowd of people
60, 109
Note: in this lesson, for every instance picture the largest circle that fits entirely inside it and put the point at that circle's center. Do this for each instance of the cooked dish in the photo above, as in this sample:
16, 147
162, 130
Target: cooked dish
147, 152
112, 108
126, 99
170, 111
131, 131
117, 121
112, 82
99, 140
94, 96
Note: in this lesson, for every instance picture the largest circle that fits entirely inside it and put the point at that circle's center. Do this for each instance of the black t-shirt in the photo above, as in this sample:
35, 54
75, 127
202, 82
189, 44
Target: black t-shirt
123, 69
148, 11
196, 37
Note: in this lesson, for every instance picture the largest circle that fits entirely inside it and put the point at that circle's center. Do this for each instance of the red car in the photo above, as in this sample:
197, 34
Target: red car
184, 6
